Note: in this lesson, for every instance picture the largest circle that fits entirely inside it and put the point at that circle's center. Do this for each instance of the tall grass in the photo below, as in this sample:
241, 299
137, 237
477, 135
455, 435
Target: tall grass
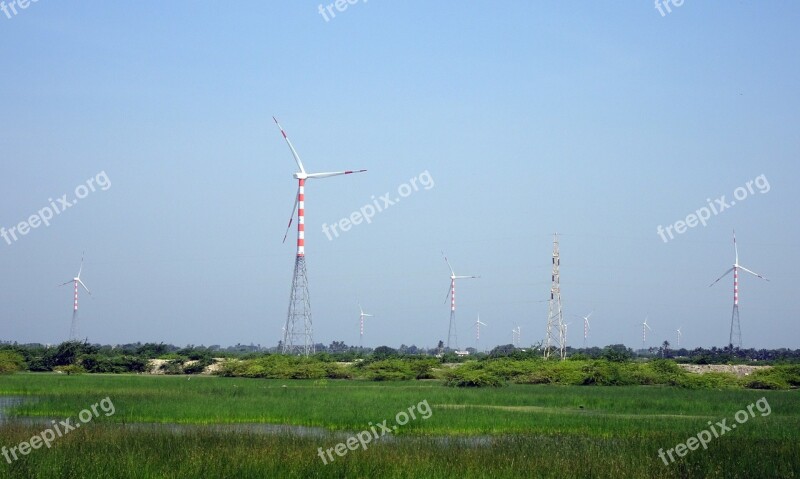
517, 431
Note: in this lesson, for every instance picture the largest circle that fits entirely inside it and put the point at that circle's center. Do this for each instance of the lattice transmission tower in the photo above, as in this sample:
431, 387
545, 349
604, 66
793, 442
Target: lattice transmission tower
555, 314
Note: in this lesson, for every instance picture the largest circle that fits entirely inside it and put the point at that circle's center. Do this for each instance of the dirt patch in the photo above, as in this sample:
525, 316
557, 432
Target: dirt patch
154, 366
738, 370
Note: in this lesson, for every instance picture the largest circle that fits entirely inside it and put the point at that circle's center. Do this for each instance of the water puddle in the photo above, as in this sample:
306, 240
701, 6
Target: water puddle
9, 402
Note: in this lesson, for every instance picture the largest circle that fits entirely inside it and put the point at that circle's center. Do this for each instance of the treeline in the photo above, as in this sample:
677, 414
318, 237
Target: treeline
382, 363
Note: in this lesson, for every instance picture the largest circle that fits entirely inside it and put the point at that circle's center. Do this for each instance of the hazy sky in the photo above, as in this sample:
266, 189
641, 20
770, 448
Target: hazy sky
599, 120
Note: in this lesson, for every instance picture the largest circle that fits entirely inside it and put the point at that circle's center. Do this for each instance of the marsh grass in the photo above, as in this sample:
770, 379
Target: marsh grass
516, 431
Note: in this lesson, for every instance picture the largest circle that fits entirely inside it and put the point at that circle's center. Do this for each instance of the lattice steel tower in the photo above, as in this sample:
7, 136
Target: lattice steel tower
555, 315
298, 333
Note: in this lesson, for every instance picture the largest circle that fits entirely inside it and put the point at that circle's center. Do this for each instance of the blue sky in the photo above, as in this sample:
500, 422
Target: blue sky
599, 120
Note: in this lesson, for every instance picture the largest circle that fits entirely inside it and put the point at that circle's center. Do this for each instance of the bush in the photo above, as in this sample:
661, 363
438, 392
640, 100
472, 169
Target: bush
11, 362
778, 377
707, 381
198, 366
172, 367
390, 370
471, 378
765, 383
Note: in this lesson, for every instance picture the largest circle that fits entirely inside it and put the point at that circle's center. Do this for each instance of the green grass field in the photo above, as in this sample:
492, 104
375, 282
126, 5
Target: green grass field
516, 431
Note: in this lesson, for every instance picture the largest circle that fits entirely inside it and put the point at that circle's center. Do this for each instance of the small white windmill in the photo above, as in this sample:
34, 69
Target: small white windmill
361, 319
478, 325
586, 328
645, 327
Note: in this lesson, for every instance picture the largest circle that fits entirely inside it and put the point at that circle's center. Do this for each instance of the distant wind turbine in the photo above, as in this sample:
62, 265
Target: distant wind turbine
361, 318
478, 325
645, 327
586, 328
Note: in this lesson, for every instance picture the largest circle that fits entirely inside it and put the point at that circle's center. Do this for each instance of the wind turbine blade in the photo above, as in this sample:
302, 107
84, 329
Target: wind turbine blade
648, 326
466, 277
449, 290
68, 282
723, 275
453, 273
84, 286
81, 268
333, 173
735, 248
291, 218
294, 152
751, 272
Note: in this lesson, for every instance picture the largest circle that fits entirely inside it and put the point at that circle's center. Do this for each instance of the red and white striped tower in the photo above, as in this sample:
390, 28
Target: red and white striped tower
735, 338
296, 338
301, 217
452, 335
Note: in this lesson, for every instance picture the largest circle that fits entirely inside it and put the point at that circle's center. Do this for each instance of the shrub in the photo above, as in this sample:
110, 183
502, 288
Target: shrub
765, 383
390, 370
471, 378
198, 366
11, 362
172, 367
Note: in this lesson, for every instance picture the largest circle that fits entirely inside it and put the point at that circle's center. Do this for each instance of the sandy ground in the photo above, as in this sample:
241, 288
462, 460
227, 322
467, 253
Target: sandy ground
155, 365
722, 368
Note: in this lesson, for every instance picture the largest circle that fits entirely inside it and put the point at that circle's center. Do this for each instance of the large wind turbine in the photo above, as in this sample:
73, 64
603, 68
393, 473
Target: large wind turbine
294, 338
361, 319
452, 336
736, 331
73, 330
645, 327
478, 325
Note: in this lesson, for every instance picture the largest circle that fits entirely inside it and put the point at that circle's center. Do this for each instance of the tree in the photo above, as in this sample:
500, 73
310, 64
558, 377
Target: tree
383, 352
617, 353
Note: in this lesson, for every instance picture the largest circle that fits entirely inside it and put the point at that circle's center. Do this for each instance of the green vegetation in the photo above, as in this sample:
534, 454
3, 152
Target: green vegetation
614, 365
516, 431
11, 362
